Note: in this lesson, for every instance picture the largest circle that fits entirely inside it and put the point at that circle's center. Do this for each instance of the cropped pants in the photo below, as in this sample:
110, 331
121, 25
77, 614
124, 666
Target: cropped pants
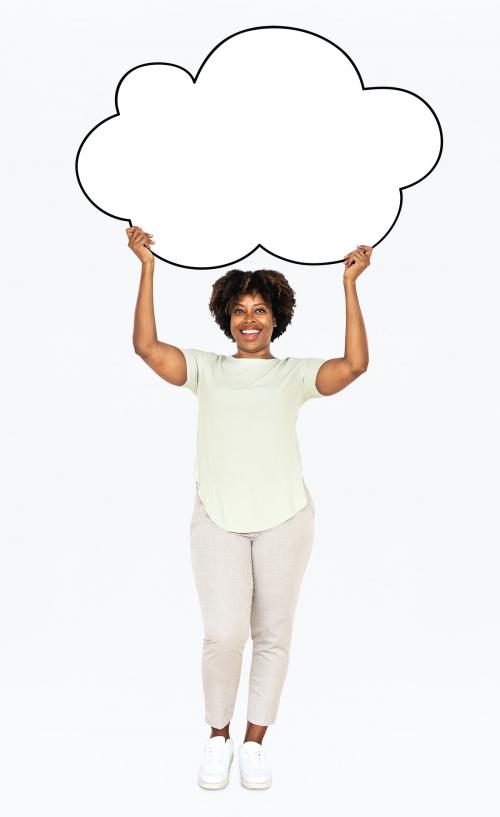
247, 583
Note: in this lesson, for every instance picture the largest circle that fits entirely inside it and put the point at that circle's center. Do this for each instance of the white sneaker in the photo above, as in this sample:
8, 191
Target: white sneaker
217, 758
254, 768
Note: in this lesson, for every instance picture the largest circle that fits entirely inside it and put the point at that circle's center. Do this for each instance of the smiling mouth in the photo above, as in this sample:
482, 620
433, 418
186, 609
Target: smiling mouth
250, 333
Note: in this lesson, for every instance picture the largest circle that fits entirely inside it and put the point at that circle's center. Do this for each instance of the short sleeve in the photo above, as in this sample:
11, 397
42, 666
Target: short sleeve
193, 369
309, 367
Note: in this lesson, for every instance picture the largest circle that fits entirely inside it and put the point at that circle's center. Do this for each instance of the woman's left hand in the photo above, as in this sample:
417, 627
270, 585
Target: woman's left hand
356, 262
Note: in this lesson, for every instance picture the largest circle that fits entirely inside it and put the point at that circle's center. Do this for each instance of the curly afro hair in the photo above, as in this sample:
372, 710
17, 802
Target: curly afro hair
270, 285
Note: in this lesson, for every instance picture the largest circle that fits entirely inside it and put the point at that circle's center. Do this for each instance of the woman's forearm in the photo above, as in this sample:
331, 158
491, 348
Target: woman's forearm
144, 320
356, 342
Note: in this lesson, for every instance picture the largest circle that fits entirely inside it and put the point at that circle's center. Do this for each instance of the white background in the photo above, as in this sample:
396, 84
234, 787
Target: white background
390, 706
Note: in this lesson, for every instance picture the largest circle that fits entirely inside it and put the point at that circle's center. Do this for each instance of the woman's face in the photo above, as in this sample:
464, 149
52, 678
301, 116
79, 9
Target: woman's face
252, 312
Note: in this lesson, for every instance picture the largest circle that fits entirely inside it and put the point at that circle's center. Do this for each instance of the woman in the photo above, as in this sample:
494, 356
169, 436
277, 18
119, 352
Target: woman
252, 526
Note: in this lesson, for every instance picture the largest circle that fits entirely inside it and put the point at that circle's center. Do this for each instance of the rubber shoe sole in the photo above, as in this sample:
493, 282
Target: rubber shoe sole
248, 784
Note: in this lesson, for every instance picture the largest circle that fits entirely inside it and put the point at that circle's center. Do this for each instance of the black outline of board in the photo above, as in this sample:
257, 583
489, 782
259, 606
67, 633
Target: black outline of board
282, 258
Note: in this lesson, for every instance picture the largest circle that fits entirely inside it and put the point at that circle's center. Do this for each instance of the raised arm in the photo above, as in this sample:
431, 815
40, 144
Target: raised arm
166, 360
338, 372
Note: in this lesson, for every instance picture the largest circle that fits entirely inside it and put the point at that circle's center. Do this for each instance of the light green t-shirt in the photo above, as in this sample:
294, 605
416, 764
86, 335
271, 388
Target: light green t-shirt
248, 467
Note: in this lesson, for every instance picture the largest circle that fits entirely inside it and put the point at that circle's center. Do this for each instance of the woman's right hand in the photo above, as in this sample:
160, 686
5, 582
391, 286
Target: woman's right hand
139, 242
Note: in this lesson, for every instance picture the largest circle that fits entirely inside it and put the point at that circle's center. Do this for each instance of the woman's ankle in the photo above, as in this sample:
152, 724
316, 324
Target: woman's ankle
224, 731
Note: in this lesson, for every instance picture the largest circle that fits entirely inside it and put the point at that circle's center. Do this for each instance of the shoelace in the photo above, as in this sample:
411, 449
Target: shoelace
213, 755
256, 758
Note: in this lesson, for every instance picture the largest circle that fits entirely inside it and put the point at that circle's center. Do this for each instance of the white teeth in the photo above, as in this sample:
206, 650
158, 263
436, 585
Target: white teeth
250, 331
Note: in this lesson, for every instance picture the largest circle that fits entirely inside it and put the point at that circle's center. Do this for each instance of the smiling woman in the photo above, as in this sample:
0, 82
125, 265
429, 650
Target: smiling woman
252, 526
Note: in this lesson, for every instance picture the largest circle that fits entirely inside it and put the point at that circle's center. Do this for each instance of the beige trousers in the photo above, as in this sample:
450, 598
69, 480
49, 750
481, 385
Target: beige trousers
247, 582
